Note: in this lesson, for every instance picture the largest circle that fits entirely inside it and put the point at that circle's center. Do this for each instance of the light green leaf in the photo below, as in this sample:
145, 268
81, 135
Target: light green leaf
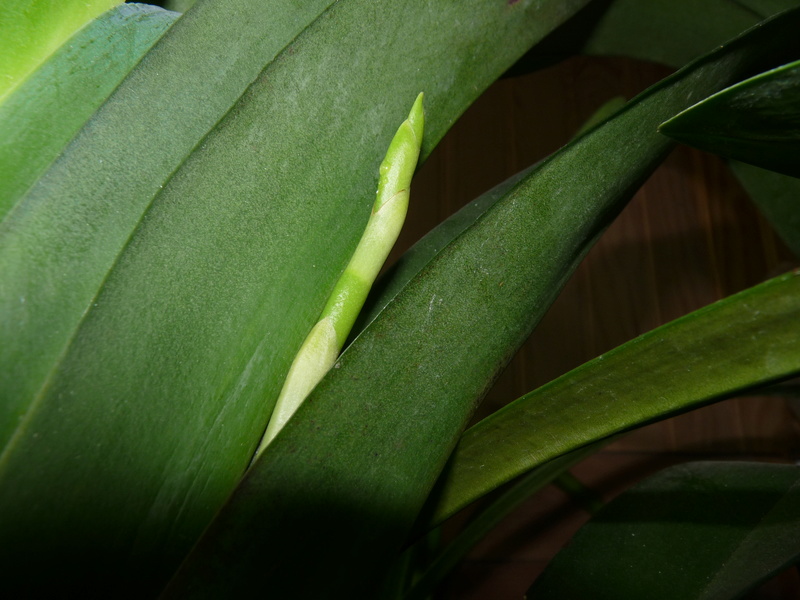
756, 121
684, 364
34, 29
153, 379
46, 111
700, 531
360, 456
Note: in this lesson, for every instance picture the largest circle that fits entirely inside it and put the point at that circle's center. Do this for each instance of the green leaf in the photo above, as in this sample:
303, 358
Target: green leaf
674, 32
777, 197
684, 364
756, 121
153, 379
60, 240
34, 29
671, 32
413, 260
700, 531
330, 504
500, 507
47, 110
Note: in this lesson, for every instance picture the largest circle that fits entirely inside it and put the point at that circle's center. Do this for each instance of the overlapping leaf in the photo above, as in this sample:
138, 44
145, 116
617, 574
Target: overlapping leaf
681, 365
362, 453
42, 116
151, 380
32, 30
756, 121
700, 531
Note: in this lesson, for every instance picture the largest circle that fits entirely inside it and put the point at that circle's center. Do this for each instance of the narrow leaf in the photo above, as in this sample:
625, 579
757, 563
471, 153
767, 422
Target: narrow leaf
456, 550
684, 364
756, 121
700, 531
47, 110
360, 456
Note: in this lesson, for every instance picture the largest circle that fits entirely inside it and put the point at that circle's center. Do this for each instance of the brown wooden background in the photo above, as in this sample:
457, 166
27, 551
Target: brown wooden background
688, 238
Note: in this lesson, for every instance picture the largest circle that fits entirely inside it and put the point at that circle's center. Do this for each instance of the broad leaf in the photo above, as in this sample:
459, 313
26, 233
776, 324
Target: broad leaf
34, 29
413, 260
671, 32
700, 531
46, 111
756, 121
674, 32
59, 241
151, 381
360, 456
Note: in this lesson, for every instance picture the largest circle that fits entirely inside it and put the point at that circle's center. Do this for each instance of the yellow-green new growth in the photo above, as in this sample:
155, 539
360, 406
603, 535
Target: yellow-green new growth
323, 344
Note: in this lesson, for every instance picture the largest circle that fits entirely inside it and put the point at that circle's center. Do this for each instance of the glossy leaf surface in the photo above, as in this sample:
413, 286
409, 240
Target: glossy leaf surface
47, 110
756, 121
700, 531
361, 455
166, 296
34, 29
681, 365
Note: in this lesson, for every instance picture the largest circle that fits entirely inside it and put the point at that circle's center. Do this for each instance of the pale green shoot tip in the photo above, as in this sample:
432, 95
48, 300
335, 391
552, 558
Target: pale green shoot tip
323, 344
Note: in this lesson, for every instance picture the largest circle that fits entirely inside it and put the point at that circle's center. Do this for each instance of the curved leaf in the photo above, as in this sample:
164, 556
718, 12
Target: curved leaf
360, 456
675, 32
671, 32
34, 29
689, 362
700, 531
413, 260
457, 549
159, 373
59, 241
756, 121
46, 111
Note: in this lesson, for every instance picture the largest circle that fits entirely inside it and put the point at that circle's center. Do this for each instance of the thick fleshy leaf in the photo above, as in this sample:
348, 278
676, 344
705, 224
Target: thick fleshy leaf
671, 32
684, 364
700, 531
412, 261
756, 121
674, 32
153, 379
778, 197
59, 241
34, 29
333, 499
47, 110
